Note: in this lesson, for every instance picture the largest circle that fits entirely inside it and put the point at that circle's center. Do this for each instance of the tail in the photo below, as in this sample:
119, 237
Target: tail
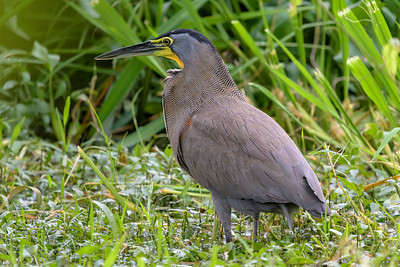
320, 210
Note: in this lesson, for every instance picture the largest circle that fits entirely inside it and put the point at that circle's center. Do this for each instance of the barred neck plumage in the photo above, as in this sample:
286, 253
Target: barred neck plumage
205, 77
200, 85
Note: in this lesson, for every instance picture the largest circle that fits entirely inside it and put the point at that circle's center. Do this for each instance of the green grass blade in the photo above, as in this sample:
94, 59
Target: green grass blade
370, 87
323, 102
16, 131
87, 250
390, 54
146, 132
390, 86
266, 92
310, 125
116, 25
160, 238
344, 46
109, 216
194, 15
111, 22
244, 34
214, 255
348, 123
113, 255
60, 129
248, 249
385, 141
297, 18
91, 220
13, 7
18, 189
120, 89
356, 31
103, 179
378, 22
179, 17
66, 112
135, 120
300, 90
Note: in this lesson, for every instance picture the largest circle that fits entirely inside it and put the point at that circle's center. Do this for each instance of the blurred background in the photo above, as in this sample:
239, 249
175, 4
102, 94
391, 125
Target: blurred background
47, 50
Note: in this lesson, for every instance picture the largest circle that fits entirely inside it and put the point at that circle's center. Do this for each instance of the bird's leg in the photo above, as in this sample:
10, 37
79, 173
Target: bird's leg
224, 213
214, 225
256, 218
288, 214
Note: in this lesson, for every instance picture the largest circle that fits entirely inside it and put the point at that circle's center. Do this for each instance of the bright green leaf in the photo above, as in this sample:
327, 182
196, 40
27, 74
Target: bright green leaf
16, 131
385, 141
87, 250
390, 54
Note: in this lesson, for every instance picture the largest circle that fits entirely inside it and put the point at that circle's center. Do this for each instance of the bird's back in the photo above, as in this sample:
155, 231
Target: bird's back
239, 152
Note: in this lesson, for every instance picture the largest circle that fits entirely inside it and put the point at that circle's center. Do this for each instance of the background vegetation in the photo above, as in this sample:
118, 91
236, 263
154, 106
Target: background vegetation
87, 177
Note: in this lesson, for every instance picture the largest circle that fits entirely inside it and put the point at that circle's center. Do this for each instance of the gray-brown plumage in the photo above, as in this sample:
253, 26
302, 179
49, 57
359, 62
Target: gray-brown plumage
236, 151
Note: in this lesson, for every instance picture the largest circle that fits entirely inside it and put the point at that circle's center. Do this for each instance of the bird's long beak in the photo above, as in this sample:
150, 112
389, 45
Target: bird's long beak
143, 49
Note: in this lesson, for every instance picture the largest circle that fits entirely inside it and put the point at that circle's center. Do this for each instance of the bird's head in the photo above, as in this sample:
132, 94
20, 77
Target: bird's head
180, 45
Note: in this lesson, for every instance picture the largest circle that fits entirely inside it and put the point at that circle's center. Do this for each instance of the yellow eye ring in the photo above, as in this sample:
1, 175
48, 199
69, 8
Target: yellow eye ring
167, 41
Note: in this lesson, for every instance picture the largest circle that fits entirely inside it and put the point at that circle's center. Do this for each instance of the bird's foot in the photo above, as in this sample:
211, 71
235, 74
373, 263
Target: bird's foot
292, 234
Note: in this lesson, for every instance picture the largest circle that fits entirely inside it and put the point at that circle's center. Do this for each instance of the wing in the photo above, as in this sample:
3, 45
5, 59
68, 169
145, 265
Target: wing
240, 152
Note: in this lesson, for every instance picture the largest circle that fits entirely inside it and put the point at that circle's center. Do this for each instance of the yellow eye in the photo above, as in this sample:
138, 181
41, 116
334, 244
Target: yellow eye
167, 41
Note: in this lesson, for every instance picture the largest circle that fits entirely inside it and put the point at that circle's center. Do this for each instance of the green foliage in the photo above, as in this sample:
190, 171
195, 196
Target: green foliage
288, 35
327, 71
89, 225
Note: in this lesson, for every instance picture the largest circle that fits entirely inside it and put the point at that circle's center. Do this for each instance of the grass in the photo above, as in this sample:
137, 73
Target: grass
87, 177
168, 220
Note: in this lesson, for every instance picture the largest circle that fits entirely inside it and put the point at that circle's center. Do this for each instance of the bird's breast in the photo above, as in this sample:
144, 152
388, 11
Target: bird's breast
178, 108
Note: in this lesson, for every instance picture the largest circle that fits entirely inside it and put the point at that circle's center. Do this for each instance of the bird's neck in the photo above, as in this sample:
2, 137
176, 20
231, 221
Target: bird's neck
205, 79
194, 88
